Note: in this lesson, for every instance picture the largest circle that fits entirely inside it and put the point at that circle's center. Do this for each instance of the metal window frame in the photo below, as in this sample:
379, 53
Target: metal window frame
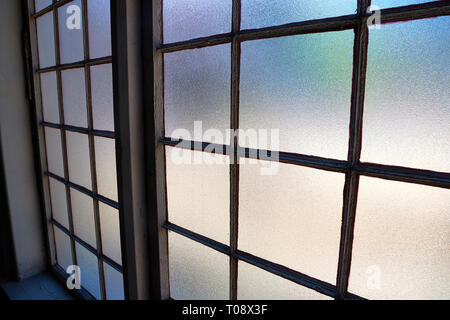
353, 168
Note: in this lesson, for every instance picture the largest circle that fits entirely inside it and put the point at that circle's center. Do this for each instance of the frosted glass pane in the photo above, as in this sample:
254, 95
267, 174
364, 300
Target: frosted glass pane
41, 4
196, 271
49, 91
292, 217
407, 110
401, 244
83, 217
102, 97
78, 159
88, 264
74, 97
197, 88
46, 40
257, 284
396, 3
263, 13
99, 17
70, 39
199, 194
59, 202
110, 229
55, 163
185, 20
113, 283
63, 249
300, 87
105, 154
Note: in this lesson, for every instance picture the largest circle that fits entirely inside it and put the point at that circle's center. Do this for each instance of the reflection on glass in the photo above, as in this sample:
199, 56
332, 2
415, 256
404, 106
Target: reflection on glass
55, 163
396, 3
113, 283
70, 39
78, 159
88, 264
49, 91
46, 40
102, 97
110, 231
105, 159
74, 97
59, 202
99, 18
63, 249
83, 217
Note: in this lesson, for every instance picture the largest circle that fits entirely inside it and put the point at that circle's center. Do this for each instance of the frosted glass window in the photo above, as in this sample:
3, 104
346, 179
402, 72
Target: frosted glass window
185, 20
78, 159
396, 3
88, 264
83, 217
105, 154
41, 4
49, 91
102, 97
263, 13
59, 202
401, 243
199, 194
63, 249
110, 230
292, 217
74, 97
197, 88
46, 40
407, 106
196, 271
70, 40
300, 87
99, 18
113, 283
257, 284
54, 151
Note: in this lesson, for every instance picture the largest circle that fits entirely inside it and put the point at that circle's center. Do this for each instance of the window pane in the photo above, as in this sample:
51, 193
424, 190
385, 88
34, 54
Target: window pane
83, 217
105, 154
74, 97
113, 283
102, 97
70, 39
196, 271
110, 230
41, 4
301, 86
407, 109
396, 3
401, 243
184, 20
78, 159
59, 202
54, 151
49, 89
46, 40
197, 88
263, 13
257, 284
88, 264
99, 18
199, 193
63, 249
292, 217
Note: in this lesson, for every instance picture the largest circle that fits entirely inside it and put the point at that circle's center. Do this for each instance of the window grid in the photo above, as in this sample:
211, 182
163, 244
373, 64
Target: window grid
352, 167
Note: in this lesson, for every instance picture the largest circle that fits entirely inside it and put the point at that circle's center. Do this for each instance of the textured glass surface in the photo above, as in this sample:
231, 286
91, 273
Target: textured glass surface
300, 86
41, 4
49, 91
83, 217
185, 20
292, 217
102, 97
256, 284
198, 194
55, 163
63, 249
110, 230
99, 17
196, 271
105, 159
401, 244
46, 40
70, 39
88, 264
197, 88
113, 283
59, 202
74, 97
407, 106
78, 159
396, 3
263, 13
